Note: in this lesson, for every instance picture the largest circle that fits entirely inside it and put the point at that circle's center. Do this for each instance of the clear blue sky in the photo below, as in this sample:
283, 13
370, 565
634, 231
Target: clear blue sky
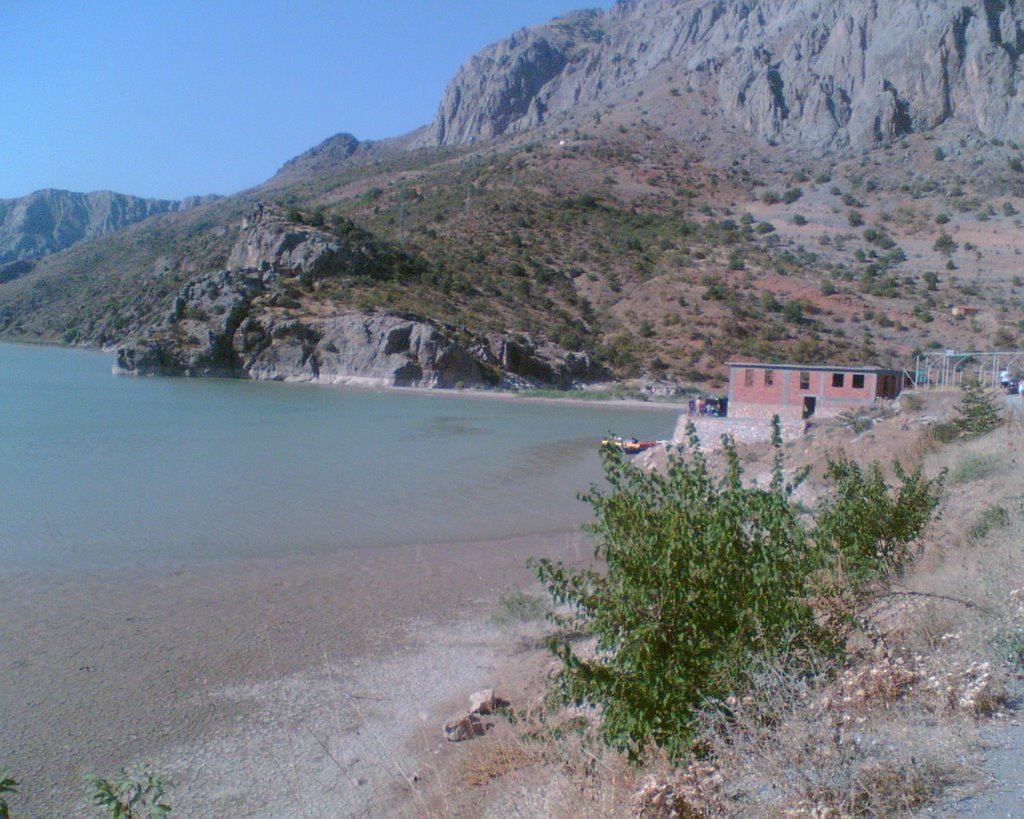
168, 98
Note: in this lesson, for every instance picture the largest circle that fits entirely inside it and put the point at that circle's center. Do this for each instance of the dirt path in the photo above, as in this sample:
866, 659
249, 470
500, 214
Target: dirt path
1005, 761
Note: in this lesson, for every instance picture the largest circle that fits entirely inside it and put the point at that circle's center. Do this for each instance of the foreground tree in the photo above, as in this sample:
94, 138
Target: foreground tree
707, 577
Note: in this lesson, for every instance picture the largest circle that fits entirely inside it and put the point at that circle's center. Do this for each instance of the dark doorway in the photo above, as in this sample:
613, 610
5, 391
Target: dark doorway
809, 405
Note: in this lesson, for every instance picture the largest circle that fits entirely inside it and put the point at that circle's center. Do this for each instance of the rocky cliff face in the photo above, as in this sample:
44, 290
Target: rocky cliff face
824, 73
237, 323
48, 221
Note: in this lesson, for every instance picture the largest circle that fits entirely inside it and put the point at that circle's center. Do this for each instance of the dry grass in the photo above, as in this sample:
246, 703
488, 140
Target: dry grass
500, 757
542, 765
863, 744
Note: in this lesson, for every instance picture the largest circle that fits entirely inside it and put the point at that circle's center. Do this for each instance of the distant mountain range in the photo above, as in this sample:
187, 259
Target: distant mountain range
48, 221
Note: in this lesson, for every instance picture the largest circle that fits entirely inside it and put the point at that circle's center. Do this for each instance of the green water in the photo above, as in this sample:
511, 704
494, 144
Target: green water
100, 471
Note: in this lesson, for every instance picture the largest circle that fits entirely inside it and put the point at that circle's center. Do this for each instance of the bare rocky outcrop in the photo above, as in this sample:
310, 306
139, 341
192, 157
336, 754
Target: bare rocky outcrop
379, 348
48, 221
270, 244
230, 324
825, 73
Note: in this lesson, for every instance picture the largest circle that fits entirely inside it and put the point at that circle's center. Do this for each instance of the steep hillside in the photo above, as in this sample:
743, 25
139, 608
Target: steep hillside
819, 73
48, 221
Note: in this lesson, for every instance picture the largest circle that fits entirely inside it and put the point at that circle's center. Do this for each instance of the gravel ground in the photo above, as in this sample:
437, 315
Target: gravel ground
311, 685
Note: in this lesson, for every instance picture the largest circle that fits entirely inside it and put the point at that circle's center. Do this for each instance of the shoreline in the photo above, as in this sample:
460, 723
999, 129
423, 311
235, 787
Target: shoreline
367, 384
223, 676
361, 384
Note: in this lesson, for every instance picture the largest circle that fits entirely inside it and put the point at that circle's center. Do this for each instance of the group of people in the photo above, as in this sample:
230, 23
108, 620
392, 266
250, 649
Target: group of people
1011, 383
707, 406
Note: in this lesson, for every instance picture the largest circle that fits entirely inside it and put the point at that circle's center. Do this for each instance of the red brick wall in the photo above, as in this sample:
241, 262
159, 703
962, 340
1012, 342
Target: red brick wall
816, 381
760, 392
846, 393
785, 397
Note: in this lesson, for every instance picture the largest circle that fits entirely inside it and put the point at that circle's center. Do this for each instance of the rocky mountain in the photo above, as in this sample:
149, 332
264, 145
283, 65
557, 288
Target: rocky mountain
332, 153
241, 322
824, 73
48, 221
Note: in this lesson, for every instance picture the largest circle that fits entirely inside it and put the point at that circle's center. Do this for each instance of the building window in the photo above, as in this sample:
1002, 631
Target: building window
748, 378
838, 379
858, 382
805, 381
769, 377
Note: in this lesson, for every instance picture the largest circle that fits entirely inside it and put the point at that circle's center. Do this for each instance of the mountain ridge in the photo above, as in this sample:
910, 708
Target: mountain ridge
821, 73
51, 219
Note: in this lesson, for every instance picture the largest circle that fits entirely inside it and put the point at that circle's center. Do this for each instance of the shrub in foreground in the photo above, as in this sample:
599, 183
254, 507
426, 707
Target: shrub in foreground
708, 577
701, 574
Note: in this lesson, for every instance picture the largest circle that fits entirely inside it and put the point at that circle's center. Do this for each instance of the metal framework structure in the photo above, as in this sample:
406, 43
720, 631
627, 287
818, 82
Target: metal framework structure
949, 368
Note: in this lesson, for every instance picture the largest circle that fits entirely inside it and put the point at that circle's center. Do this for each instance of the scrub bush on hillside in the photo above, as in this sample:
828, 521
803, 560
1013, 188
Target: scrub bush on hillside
707, 578
976, 414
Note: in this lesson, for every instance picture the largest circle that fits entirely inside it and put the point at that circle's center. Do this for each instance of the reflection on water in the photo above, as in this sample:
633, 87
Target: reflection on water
103, 471
537, 460
447, 426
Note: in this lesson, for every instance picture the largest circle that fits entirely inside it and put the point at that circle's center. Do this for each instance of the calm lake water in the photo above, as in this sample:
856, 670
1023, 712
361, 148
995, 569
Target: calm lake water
101, 472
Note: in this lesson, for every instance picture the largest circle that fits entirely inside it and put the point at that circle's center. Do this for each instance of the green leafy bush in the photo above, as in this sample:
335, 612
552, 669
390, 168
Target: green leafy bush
868, 527
945, 244
707, 577
701, 575
131, 796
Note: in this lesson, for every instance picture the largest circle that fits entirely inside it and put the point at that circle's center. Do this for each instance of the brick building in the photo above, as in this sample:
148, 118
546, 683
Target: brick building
794, 391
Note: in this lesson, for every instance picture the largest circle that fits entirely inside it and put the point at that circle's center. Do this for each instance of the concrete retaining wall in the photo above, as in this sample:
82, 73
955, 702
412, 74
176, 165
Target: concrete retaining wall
743, 430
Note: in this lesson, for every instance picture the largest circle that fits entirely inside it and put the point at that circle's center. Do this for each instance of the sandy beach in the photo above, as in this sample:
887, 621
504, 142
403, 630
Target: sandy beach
309, 685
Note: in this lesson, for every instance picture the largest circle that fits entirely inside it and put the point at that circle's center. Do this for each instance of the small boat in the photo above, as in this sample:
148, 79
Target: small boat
630, 446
